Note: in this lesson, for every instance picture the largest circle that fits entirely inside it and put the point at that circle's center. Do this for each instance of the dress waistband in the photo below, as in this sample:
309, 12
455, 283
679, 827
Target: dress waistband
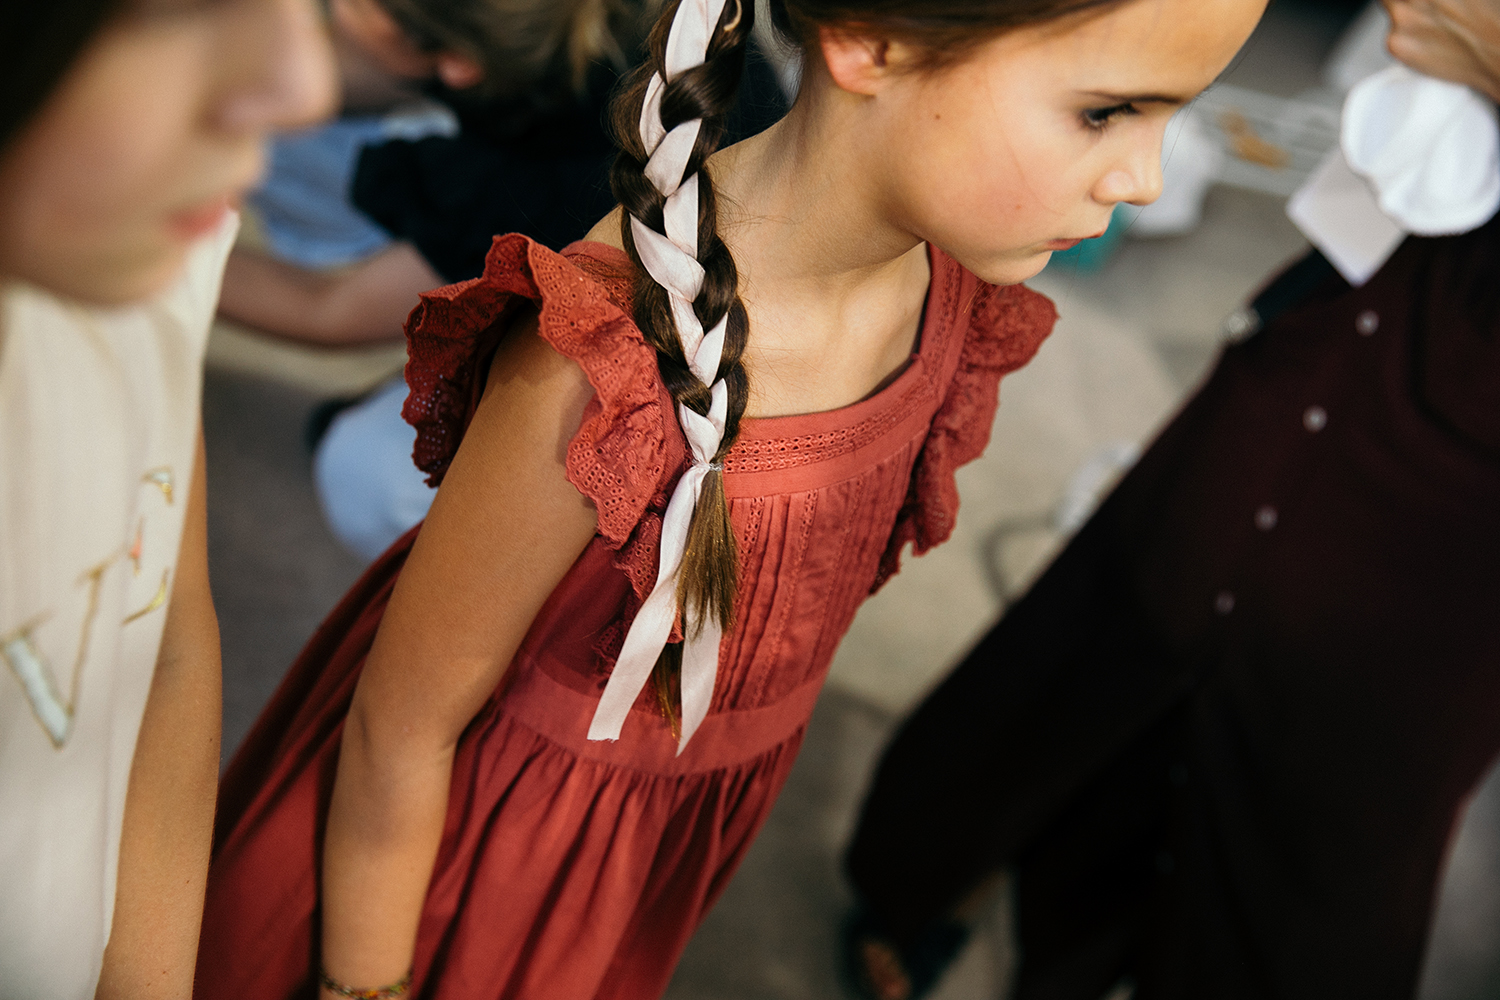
725, 739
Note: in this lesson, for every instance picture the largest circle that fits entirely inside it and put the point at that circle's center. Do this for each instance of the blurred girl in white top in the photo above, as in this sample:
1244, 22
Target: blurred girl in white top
128, 130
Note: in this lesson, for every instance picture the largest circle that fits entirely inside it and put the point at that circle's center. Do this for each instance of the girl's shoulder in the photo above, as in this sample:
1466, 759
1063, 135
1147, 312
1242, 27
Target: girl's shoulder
976, 333
626, 449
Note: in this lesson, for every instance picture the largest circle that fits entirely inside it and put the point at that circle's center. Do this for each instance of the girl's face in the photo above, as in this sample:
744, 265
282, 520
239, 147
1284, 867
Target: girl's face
1026, 146
152, 135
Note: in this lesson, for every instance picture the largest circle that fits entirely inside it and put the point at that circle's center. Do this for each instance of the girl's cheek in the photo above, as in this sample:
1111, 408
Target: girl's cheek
88, 197
99, 152
1008, 192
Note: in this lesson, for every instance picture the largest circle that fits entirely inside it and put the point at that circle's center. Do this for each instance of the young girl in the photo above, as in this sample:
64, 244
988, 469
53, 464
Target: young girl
126, 131
525, 755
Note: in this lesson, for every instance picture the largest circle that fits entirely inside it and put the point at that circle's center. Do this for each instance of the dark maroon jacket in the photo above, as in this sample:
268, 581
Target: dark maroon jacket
1225, 738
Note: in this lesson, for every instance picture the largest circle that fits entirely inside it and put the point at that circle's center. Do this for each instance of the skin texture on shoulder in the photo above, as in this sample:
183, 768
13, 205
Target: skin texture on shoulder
1022, 146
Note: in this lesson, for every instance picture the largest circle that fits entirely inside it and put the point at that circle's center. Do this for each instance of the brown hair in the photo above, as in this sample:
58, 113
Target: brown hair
39, 41
944, 30
523, 45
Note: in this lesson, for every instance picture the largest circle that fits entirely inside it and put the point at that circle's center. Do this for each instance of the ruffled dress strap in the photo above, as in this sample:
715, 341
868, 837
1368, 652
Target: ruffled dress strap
1005, 325
628, 449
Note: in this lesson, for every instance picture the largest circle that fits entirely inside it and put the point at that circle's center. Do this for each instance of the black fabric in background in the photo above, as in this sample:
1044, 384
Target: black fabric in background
543, 174
1253, 799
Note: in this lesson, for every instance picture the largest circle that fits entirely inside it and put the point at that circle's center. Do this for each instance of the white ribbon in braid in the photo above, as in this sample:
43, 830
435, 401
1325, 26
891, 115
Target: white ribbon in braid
672, 261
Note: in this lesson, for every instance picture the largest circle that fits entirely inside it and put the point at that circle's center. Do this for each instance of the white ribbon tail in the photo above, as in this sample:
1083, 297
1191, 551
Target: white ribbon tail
700, 665
643, 644
653, 623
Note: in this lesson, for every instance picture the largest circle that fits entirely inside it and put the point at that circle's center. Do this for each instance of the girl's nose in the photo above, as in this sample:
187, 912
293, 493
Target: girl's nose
1137, 180
278, 67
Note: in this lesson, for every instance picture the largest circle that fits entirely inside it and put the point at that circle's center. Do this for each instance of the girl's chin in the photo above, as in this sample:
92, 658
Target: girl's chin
1011, 269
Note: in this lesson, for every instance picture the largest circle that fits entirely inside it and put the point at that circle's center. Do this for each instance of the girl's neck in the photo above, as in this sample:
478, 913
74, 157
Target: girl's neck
801, 205
833, 288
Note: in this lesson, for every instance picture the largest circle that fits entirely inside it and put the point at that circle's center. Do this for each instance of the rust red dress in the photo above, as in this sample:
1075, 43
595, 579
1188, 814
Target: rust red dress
568, 869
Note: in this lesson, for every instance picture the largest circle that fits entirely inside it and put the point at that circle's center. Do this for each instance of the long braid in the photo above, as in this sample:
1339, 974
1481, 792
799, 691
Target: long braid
668, 122
704, 93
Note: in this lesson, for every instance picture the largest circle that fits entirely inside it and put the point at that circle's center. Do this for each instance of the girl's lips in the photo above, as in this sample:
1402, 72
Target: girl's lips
195, 222
1058, 245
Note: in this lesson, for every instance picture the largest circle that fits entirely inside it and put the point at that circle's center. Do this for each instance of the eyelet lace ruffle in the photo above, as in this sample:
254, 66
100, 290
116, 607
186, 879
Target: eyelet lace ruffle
623, 458
629, 450
1007, 327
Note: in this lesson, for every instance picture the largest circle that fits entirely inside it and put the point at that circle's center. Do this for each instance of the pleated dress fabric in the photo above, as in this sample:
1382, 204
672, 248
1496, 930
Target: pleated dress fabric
575, 869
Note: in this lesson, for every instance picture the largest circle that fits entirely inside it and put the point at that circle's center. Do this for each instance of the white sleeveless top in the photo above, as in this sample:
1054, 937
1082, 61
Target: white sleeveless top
99, 413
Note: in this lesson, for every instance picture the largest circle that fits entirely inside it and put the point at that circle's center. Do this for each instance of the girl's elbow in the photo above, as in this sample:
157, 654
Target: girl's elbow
396, 743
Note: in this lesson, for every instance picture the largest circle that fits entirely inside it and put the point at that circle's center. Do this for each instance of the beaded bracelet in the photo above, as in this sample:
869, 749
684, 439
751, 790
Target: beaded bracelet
391, 992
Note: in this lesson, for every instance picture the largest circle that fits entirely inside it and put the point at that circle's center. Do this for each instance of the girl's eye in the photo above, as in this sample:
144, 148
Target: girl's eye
1098, 118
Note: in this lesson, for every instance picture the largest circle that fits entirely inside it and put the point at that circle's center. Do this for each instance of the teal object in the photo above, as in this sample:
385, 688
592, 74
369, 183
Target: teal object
1091, 255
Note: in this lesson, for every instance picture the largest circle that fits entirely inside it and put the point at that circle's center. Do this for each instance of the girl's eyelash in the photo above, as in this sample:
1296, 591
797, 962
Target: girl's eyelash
1098, 118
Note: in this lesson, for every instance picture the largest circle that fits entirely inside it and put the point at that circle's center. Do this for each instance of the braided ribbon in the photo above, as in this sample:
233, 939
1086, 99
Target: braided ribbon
672, 261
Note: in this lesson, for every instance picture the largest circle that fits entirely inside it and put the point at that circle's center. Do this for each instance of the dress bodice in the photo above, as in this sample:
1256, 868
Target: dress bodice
822, 504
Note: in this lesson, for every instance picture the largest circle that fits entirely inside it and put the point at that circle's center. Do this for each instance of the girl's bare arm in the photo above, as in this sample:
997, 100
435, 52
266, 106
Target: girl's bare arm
363, 304
504, 529
174, 777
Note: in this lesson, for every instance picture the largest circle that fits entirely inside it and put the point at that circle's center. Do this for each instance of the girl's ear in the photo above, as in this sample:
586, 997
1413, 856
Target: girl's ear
858, 62
457, 71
